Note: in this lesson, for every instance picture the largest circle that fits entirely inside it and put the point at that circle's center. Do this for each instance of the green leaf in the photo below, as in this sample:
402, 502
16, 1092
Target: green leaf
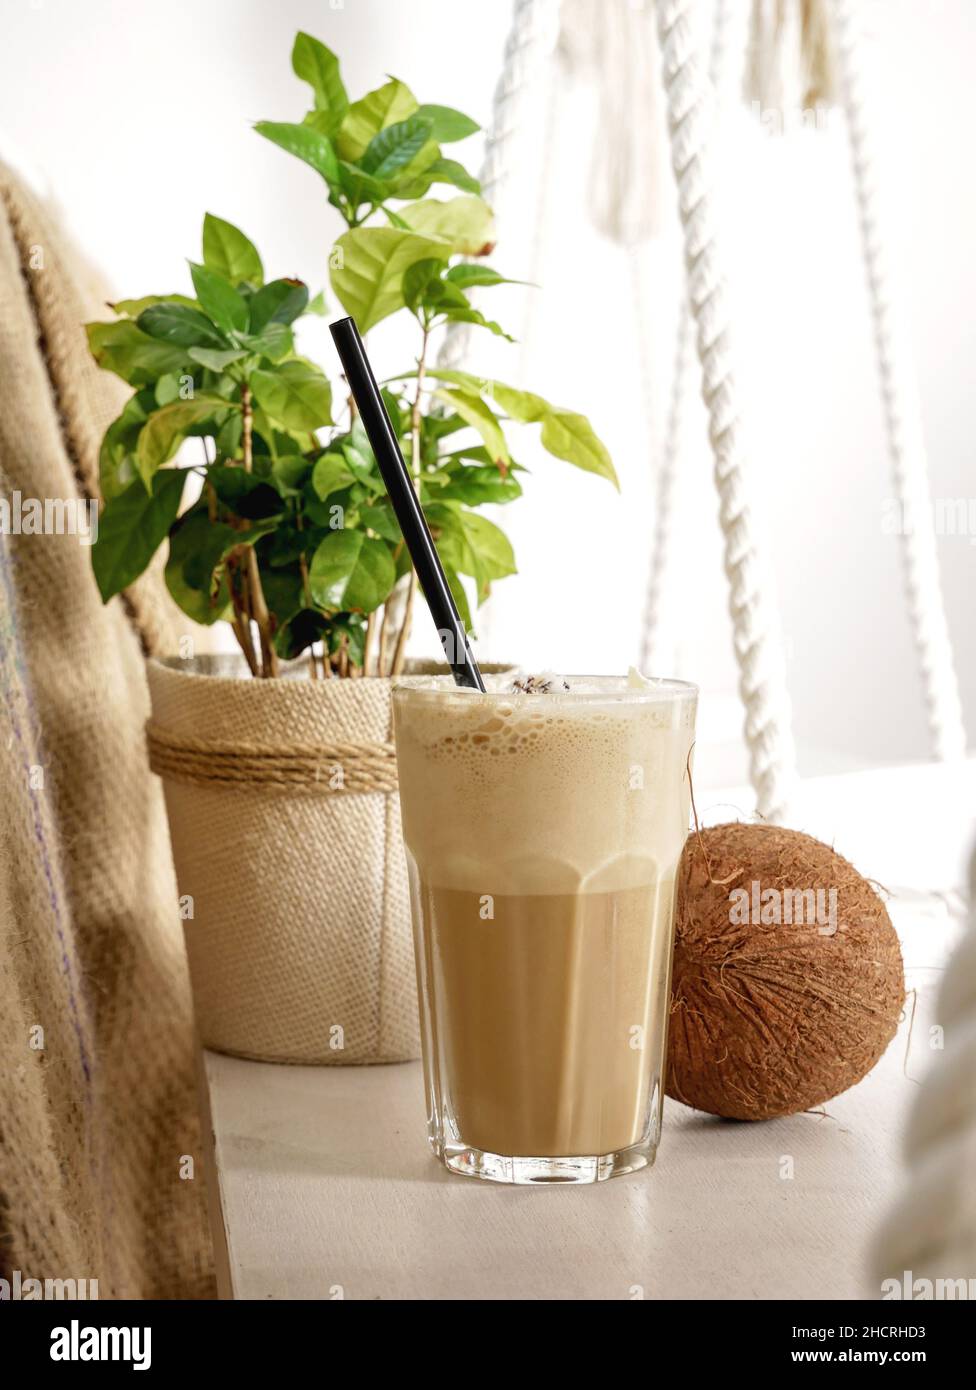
492, 549
201, 564
132, 527
398, 411
215, 359
305, 143
448, 296
244, 494
388, 104
282, 593
168, 389
412, 180
569, 436
176, 323
466, 223
290, 473
359, 454
204, 565
476, 317
219, 300
476, 485
360, 187
228, 436
450, 171
418, 279
163, 431
471, 544
319, 66
116, 462
361, 464
317, 304
436, 427
286, 544
329, 475
124, 349
466, 380
132, 308
368, 268
395, 220
469, 276
460, 597
565, 433
300, 632
381, 519
227, 252
345, 630
417, 178
274, 341
188, 537
351, 571
280, 301
448, 125
477, 414
395, 146
423, 285
295, 394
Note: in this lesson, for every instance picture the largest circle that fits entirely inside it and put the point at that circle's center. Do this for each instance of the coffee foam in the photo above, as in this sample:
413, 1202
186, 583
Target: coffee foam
564, 791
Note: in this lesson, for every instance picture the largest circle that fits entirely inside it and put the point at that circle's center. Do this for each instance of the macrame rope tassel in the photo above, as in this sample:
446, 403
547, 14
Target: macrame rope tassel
902, 415
790, 57
612, 44
530, 42
656, 652
762, 684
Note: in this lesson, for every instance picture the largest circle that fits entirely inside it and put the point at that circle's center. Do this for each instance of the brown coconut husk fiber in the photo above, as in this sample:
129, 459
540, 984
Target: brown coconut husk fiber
769, 1020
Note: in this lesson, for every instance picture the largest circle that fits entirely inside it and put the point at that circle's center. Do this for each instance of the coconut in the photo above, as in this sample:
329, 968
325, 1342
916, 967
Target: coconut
788, 981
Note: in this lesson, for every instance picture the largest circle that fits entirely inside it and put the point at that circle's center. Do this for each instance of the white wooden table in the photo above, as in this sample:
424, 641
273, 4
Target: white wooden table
323, 1185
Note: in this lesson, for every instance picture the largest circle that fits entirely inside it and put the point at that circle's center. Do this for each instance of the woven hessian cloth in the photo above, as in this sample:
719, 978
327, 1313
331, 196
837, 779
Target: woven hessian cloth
96, 1122
300, 938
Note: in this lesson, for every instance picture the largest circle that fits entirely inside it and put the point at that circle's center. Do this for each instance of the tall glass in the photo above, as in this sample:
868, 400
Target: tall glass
543, 834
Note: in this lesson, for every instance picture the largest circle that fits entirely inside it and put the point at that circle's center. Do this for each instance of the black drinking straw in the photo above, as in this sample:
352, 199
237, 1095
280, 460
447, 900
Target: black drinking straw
413, 524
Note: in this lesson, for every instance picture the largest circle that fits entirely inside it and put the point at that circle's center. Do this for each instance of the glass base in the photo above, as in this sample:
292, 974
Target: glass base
520, 1170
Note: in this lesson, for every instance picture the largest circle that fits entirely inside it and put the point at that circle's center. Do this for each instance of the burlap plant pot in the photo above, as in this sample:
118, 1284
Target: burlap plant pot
291, 862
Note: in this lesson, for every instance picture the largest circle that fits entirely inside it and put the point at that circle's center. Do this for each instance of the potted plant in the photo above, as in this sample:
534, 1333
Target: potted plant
232, 452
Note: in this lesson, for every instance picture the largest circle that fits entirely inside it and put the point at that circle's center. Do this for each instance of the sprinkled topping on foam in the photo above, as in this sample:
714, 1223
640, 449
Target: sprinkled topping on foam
545, 684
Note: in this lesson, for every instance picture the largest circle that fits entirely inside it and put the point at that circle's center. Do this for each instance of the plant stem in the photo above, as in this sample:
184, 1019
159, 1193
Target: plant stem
399, 652
367, 641
239, 623
306, 591
239, 620
382, 649
259, 608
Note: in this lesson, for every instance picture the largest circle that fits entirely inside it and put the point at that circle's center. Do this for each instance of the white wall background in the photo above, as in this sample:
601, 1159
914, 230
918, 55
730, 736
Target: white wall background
136, 118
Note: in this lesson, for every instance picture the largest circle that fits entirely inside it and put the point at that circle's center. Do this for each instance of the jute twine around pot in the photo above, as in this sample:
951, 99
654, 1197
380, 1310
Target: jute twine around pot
286, 835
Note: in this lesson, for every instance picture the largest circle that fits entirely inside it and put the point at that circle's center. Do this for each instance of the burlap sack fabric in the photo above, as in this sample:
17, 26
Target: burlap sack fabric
300, 941
94, 1122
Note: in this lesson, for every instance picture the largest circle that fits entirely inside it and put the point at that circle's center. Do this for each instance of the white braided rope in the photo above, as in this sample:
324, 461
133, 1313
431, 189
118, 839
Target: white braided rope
654, 651
761, 679
535, 24
902, 415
